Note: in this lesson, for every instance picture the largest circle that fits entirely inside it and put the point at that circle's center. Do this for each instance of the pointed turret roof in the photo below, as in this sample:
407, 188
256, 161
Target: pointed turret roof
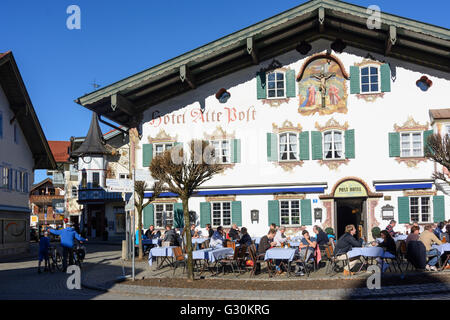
93, 144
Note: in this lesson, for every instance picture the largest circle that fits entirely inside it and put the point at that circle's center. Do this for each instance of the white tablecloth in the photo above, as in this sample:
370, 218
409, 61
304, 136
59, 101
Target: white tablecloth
445, 247
160, 252
280, 254
371, 252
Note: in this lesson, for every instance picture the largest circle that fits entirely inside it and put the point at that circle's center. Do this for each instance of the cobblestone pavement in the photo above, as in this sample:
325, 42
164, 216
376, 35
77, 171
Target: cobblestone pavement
103, 266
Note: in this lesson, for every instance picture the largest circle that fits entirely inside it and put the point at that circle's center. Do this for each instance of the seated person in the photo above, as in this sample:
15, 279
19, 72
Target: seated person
194, 232
390, 228
171, 236
266, 242
428, 238
306, 244
234, 232
209, 231
245, 238
280, 238
345, 244
438, 230
388, 243
151, 233
217, 238
413, 236
321, 238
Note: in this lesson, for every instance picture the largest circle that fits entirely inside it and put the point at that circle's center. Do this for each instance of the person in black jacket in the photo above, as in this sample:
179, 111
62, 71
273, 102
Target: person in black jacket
321, 238
234, 232
388, 243
345, 243
171, 236
245, 238
266, 242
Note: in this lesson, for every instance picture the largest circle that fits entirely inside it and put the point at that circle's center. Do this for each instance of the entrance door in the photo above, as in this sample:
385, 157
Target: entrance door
351, 211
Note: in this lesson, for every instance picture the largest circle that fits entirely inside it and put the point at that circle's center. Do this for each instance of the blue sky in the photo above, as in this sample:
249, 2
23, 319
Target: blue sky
120, 38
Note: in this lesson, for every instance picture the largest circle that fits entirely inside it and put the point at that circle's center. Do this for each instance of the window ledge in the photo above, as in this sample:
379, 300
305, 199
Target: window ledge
289, 165
370, 96
275, 102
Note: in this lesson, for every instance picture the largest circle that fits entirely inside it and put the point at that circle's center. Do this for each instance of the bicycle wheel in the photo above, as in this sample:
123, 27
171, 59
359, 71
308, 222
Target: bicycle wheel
52, 263
58, 261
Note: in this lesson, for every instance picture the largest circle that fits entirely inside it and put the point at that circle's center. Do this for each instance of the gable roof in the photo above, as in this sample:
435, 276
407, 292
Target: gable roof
60, 150
400, 38
39, 184
20, 103
436, 114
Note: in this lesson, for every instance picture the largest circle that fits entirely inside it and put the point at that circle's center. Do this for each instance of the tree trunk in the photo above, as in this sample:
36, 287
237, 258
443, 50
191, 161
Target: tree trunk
187, 224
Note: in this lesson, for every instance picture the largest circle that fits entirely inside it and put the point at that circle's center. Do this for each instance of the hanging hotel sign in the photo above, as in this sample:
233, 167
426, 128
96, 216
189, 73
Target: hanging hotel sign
349, 189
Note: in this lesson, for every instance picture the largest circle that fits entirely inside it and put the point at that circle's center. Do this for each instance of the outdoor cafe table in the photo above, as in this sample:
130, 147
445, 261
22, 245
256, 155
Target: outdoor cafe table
164, 252
211, 255
155, 241
198, 241
400, 237
443, 249
369, 252
281, 254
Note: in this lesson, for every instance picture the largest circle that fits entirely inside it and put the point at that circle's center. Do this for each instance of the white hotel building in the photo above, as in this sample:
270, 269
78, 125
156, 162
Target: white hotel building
326, 122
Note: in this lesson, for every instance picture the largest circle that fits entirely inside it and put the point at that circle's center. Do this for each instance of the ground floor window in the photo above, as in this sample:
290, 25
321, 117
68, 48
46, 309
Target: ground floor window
221, 214
420, 208
163, 214
289, 212
119, 223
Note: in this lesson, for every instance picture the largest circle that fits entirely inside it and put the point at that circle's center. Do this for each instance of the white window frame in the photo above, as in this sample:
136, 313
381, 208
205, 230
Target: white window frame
296, 153
276, 88
228, 155
370, 82
166, 146
290, 224
75, 196
221, 214
124, 176
411, 148
161, 212
420, 213
333, 131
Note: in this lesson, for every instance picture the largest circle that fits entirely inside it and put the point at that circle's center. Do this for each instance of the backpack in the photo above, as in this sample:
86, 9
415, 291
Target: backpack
416, 254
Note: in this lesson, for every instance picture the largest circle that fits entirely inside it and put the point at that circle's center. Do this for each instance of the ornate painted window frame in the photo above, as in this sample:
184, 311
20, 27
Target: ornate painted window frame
287, 127
369, 96
333, 125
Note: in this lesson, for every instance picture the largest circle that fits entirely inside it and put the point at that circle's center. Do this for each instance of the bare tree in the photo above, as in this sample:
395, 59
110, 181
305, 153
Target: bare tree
438, 150
139, 188
182, 173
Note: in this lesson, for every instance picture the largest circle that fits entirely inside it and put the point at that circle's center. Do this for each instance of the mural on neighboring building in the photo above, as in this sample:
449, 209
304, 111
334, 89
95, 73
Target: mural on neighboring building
322, 86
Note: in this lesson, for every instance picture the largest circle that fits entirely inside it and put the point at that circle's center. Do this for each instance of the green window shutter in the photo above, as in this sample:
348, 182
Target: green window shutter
235, 150
426, 134
350, 144
403, 210
438, 208
178, 216
306, 212
304, 145
236, 213
148, 214
385, 76
147, 154
205, 214
354, 79
394, 144
176, 144
316, 141
290, 84
274, 212
261, 92
272, 147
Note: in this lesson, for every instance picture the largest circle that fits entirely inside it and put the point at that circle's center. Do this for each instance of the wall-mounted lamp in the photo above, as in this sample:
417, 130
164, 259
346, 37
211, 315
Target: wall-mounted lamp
223, 95
387, 212
424, 83
254, 214
317, 214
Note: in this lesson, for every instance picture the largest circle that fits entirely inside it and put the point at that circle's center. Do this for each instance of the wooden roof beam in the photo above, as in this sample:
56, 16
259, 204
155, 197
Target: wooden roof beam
123, 104
252, 50
321, 19
391, 39
186, 75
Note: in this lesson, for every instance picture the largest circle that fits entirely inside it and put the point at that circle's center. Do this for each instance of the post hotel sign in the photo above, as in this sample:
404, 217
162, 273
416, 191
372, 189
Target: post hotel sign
350, 189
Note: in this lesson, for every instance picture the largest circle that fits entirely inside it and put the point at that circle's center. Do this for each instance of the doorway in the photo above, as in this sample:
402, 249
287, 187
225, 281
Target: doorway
351, 211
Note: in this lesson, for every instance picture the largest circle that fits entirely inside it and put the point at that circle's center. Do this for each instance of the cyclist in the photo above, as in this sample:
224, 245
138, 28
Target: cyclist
67, 236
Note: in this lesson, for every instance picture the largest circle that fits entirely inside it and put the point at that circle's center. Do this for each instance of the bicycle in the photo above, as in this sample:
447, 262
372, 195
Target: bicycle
55, 259
79, 253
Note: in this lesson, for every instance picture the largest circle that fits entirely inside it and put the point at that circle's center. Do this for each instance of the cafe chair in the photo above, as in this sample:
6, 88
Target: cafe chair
179, 258
232, 261
258, 260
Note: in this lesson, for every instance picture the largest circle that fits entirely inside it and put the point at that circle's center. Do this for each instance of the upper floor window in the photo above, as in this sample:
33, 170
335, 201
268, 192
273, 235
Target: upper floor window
276, 85
161, 147
420, 209
333, 145
290, 212
163, 214
95, 179
74, 192
16, 134
3, 177
221, 150
221, 214
370, 80
411, 144
288, 146
124, 176
84, 179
